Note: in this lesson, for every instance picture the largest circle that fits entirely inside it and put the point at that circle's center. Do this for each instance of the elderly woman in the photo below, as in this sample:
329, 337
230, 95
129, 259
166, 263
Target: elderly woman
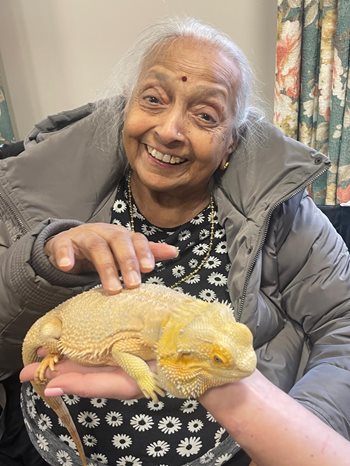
177, 182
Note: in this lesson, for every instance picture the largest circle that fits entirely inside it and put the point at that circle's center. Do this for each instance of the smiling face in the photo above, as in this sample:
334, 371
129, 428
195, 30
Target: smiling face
178, 123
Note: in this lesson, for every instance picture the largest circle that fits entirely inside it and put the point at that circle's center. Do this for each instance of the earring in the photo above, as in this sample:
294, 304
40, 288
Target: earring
226, 165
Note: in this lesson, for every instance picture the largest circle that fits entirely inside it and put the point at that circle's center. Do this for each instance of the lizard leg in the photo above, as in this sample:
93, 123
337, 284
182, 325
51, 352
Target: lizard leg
50, 333
139, 370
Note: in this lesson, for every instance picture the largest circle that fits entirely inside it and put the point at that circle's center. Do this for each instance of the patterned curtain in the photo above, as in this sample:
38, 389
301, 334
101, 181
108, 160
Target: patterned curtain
312, 87
6, 133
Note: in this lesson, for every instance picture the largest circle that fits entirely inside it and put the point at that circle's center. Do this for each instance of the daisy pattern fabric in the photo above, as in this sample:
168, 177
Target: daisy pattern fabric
141, 432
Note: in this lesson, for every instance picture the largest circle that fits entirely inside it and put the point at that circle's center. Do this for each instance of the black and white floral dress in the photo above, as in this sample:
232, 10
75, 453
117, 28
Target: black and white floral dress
141, 432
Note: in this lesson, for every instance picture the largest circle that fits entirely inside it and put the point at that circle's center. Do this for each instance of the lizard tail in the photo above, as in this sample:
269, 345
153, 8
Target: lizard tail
58, 406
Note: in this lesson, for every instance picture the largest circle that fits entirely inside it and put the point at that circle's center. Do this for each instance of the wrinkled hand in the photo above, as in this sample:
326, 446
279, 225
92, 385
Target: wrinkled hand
110, 250
86, 381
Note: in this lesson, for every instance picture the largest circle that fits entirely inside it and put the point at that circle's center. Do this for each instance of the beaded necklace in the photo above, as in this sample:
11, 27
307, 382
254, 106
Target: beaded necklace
211, 237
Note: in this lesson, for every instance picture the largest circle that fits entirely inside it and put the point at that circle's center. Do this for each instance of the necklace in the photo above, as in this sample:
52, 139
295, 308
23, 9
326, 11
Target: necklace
211, 237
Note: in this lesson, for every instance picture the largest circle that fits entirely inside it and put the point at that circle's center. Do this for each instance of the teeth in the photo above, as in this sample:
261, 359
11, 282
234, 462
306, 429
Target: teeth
164, 157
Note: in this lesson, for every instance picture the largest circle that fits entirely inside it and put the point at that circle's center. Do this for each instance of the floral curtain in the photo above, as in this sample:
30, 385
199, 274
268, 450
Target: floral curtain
6, 133
312, 86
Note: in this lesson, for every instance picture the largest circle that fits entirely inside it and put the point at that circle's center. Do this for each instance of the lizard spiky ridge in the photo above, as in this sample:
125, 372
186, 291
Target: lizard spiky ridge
196, 344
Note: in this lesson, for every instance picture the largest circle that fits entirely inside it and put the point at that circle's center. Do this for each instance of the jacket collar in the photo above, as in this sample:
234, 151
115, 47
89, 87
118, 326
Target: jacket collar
267, 168
264, 172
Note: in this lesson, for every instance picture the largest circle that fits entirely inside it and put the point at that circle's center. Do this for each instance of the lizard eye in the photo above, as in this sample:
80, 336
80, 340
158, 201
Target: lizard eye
217, 359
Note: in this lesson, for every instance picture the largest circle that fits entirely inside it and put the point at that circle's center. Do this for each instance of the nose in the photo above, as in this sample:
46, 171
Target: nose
170, 128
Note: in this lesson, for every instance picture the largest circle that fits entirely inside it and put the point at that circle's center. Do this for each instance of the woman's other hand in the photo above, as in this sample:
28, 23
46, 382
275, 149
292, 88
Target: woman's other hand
110, 250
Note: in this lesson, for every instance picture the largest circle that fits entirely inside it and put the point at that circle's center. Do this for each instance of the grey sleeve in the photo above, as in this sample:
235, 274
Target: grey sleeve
43, 267
317, 296
29, 288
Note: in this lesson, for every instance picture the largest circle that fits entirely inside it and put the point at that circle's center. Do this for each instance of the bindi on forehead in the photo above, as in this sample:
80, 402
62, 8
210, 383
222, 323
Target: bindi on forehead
184, 78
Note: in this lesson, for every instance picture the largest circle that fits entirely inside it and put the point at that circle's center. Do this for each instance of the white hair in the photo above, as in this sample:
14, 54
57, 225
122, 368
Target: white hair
127, 72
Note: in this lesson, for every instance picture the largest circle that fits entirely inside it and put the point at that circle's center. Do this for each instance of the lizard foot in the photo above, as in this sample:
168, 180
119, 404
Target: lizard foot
150, 388
49, 361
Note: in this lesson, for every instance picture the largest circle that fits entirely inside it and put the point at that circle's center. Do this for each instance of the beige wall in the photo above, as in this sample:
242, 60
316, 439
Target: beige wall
56, 54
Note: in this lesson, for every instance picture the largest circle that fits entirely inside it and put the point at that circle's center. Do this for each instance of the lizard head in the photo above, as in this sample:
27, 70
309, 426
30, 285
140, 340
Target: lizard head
207, 350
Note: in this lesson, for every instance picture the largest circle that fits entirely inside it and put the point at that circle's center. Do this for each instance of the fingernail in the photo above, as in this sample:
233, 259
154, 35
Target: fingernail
64, 262
114, 284
53, 392
133, 279
147, 263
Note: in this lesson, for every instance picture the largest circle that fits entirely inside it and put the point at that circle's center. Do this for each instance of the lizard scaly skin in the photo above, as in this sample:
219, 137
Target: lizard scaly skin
196, 344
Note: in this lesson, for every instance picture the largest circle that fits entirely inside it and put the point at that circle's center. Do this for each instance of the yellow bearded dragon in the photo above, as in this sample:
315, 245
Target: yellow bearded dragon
196, 344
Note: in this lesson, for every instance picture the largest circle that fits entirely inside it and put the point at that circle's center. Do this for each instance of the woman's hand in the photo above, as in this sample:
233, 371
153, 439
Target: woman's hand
110, 250
86, 381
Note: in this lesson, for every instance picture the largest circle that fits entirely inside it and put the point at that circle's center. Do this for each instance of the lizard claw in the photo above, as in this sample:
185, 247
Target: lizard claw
49, 361
158, 387
150, 388
160, 391
150, 395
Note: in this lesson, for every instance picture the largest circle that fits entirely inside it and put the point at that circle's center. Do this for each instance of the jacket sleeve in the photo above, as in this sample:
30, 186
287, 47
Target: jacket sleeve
25, 293
315, 285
